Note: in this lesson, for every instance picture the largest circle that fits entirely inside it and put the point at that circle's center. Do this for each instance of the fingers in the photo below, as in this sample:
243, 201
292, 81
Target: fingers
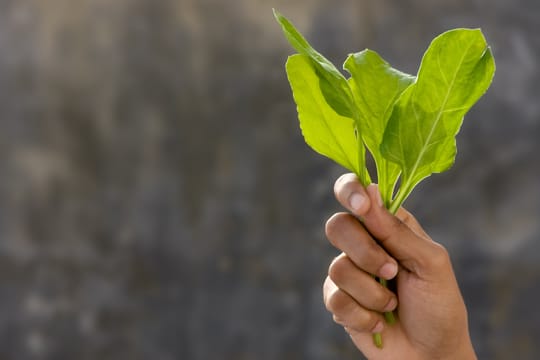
399, 236
361, 286
347, 312
352, 195
346, 233
416, 253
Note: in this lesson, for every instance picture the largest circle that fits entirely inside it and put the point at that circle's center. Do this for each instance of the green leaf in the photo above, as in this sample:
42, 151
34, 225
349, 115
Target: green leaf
333, 84
324, 130
376, 86
456, 71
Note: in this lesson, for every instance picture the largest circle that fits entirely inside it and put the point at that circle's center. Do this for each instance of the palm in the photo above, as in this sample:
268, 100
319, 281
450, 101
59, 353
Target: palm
415, 319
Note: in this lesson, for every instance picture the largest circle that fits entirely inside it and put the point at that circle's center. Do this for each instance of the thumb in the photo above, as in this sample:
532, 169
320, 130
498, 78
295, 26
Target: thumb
416, 253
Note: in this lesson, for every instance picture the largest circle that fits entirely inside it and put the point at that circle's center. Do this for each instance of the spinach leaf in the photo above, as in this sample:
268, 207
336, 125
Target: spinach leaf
455, 72
333, 84
336, 94
327, 132
376, 86
407, 123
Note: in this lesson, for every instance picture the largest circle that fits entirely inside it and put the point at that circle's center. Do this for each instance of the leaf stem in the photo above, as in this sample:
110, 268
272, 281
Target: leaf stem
388, 317
402, 194
363, 172
377, 340
404, 191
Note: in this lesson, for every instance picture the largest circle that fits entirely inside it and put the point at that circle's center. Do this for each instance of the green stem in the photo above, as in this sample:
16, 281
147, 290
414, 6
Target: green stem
404, 191
388, 317
363, 173
377, 340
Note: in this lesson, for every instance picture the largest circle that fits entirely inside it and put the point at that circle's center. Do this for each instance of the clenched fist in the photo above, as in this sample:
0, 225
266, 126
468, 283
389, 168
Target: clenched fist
431, 321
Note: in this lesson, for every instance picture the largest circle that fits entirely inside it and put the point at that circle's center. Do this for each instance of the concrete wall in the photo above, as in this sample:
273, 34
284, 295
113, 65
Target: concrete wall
157, 200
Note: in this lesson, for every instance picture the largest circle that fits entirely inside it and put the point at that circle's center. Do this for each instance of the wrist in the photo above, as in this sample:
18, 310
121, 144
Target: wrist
465, 352
461, 349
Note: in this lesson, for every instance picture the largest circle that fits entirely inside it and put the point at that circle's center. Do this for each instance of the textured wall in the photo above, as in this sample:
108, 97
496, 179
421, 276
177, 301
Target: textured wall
157, 200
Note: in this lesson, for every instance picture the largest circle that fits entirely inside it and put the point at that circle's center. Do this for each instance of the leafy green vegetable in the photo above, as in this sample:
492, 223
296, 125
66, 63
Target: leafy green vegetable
407, 123
370, 71
326, 131
336, 95
333, 84
455, 72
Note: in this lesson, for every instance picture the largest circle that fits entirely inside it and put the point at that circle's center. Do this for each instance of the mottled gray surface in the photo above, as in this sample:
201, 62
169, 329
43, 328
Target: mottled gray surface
157, 200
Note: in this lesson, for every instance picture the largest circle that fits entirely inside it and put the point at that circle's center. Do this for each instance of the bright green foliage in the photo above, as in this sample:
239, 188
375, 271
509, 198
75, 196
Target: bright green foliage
385, 84
455, 72
407, 123
333, 84
336, 95
327, 132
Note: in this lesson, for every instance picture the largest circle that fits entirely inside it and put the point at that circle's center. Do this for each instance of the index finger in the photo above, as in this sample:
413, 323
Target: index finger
346, 233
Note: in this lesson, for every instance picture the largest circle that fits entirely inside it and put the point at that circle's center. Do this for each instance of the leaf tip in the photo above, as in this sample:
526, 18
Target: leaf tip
276, 13
282, 20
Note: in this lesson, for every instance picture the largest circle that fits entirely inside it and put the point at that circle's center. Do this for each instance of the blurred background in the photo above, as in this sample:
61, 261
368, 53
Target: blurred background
157, 200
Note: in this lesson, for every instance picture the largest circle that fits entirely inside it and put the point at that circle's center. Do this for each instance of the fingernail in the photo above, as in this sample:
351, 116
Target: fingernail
356, 201
388, 271
378, 328
391, 305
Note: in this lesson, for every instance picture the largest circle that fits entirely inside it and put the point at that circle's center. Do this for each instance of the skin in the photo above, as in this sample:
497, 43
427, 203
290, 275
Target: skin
431, 314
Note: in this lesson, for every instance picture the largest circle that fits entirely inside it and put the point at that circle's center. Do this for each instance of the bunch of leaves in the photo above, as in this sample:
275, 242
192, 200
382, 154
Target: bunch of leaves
408, 123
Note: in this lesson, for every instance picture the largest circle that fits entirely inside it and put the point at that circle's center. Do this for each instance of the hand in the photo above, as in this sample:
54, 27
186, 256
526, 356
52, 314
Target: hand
431, 321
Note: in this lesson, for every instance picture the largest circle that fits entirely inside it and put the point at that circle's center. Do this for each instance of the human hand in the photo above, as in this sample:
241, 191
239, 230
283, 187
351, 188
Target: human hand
431, 321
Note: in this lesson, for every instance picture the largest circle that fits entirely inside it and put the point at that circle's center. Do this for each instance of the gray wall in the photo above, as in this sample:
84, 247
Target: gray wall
157, 200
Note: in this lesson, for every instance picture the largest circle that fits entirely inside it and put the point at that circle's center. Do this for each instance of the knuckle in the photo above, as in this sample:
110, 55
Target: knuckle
396, 228
334, 226
439, 257
337, 302
404, 216
399, 225
363, 320
338, 269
